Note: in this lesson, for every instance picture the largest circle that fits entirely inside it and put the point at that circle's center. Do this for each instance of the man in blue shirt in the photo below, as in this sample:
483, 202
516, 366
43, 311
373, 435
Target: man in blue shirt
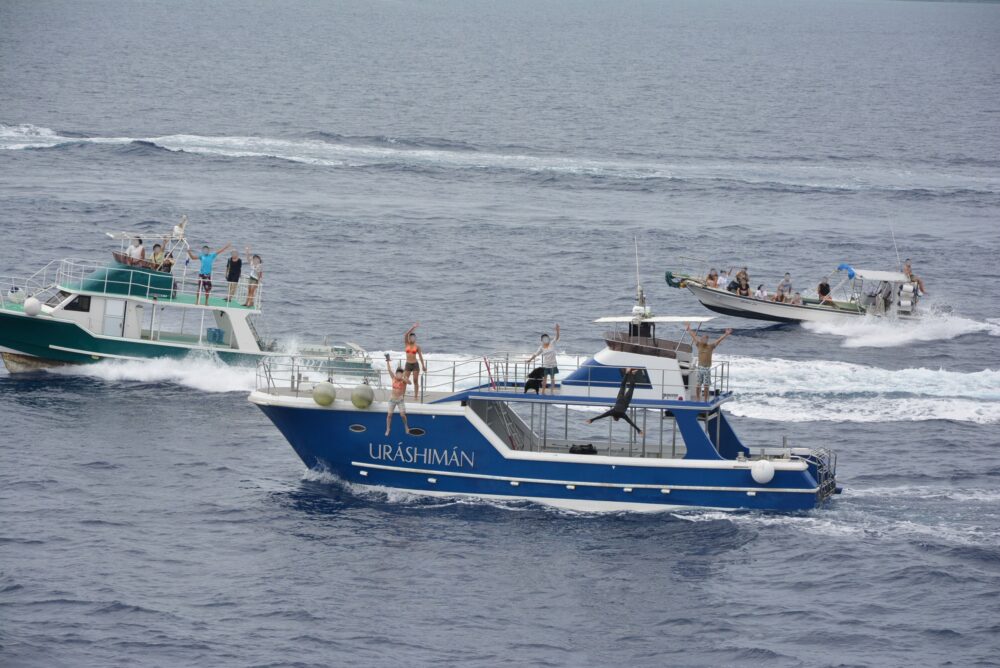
207, 258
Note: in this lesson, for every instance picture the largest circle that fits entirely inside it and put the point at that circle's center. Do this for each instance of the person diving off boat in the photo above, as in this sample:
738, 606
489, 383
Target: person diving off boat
703, 379
620, 410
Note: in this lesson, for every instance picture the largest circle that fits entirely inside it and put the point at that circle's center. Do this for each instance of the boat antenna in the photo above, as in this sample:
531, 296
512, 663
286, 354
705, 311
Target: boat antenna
899, 264
640, 298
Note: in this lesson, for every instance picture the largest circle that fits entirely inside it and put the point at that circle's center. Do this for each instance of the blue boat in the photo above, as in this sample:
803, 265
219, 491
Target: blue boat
477, 432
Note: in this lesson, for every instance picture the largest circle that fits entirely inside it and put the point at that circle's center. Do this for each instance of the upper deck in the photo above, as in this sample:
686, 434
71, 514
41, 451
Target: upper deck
180, 287
497, 377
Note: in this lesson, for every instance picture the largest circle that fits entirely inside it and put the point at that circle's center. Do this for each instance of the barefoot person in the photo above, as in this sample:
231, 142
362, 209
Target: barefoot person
546, 355
398, 397
704, 368
256, 276
234, 269
413, 353
620, 410
207, 259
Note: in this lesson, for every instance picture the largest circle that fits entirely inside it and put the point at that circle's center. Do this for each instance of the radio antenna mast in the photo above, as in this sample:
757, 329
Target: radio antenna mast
639, 296
899, 264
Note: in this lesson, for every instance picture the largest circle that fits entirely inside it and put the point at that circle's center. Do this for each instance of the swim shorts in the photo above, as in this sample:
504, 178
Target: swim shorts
704, 376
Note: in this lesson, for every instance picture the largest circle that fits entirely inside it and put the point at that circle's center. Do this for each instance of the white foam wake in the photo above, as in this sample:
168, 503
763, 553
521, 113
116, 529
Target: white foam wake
770, 389
821, 390
883, 333
204, 374
353, 153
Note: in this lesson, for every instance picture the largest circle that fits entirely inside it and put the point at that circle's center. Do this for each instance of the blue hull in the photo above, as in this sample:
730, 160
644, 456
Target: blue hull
452, 457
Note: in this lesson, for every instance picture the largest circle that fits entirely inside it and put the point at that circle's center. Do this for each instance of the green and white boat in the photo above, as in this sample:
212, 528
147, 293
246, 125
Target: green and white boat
78, 312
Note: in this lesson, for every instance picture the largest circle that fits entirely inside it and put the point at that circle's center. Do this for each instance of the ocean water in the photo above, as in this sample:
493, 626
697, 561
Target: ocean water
484, 168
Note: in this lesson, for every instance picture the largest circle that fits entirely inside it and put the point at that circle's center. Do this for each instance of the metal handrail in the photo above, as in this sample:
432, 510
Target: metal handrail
507, 373
72, 273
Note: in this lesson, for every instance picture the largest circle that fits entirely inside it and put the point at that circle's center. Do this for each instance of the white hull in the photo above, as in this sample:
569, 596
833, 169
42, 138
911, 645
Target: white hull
728, 303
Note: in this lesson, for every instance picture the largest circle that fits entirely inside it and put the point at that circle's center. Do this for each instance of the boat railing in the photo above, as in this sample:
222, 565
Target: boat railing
646, 345
500, 372
181, 284
14, 290
297, 375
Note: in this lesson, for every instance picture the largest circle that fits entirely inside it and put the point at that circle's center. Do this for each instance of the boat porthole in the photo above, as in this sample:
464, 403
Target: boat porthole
357, 428
417, 431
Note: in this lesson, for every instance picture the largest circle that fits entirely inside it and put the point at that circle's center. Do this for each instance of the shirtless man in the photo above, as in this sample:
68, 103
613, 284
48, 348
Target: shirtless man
704, 368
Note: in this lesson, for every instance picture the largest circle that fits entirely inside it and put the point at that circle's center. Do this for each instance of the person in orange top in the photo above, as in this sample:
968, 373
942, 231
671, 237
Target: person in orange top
413, 353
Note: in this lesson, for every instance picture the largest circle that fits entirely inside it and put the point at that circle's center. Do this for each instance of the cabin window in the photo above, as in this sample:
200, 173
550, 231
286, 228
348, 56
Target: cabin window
417, 431
81, 304
641, 377
357, 428
57, 299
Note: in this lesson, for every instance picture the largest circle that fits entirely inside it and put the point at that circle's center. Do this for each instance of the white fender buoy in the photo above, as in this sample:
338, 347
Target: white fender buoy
762, 471
324, 394
362, 396
32, 306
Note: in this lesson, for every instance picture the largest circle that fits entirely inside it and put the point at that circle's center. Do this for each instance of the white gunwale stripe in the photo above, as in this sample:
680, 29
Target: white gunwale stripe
543, 481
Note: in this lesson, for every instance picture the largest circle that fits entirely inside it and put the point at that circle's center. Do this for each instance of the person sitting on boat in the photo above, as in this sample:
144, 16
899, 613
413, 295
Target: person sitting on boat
157, 257
760, 293
413, 352
703, 379
743, 274
546, 353
823, 291
398, 397
620, 410
207, 259
743, 289
136, 251
784, 289
712, 280
724, 282
908, 270
256, 276
234, 268
795, 299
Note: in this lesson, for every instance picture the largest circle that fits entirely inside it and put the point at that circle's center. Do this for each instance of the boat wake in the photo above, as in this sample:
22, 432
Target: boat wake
772, 389
819, 390
880, 333
203, 374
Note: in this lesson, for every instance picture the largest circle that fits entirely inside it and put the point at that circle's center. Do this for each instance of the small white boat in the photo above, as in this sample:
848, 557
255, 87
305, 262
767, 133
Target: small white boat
862, 292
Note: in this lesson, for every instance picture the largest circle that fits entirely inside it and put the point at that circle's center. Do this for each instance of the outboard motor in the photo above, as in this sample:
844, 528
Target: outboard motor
907, 298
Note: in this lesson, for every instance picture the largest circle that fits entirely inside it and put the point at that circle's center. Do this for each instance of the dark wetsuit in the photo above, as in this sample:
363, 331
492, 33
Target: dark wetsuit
620, 410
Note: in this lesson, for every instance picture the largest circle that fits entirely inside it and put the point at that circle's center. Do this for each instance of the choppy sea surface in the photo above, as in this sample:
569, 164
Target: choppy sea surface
483, 168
